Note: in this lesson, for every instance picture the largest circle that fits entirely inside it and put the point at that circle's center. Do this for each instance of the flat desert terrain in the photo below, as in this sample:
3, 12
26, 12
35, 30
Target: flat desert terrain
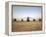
19, 26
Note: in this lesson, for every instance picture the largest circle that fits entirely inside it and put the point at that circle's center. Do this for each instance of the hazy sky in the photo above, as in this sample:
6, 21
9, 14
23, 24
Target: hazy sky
23, 12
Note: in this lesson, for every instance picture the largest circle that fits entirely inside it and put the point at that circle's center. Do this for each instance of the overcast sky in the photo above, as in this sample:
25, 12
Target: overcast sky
23, 12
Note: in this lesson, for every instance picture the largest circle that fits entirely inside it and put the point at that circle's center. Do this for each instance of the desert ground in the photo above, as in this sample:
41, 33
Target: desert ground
19, 26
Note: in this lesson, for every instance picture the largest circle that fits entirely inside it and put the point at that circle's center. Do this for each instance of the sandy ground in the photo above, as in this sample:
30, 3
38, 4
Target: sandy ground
26, 26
